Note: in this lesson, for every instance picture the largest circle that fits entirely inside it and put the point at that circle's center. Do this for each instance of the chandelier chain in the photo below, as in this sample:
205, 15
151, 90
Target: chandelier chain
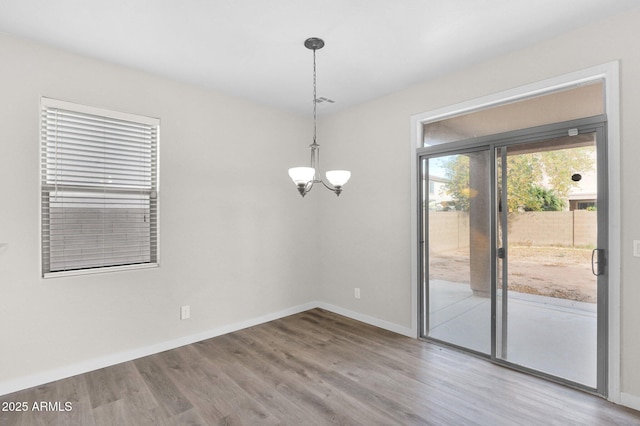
315, 101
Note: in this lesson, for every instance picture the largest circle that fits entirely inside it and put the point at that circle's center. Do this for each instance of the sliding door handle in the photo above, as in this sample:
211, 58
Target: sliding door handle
597, 261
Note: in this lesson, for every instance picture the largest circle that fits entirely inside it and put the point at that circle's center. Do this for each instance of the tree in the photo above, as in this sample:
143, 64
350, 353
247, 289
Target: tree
537, 181
457, 172
543, 200
523, 173
561, 164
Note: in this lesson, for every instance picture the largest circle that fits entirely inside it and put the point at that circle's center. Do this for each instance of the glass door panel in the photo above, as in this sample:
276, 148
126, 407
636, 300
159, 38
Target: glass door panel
456, 204
547, 292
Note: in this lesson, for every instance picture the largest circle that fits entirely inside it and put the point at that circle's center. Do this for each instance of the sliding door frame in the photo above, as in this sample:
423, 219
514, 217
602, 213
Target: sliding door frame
495, 144
609, 72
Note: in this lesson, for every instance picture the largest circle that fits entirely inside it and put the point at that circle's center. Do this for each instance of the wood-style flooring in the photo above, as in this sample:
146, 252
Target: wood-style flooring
313, 368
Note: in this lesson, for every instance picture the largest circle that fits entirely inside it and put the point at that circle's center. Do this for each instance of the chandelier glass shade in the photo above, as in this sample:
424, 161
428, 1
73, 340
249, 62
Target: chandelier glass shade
338, 178
306, 177
302, 175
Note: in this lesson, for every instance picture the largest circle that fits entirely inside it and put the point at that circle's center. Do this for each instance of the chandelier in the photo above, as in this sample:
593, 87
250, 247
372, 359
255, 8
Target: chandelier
305, 177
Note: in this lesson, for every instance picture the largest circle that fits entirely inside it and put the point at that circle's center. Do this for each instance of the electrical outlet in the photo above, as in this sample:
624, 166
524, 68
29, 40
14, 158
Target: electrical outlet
356, 293
185, 312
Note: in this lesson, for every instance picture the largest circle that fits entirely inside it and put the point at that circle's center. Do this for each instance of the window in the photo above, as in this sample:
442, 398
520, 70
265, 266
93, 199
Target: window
578, 101
99, 189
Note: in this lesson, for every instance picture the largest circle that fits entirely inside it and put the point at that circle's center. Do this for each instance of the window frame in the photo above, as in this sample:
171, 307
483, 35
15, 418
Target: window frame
153, 191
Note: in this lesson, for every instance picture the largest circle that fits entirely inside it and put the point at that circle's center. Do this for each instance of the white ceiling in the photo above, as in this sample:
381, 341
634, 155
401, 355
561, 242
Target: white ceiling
254, 48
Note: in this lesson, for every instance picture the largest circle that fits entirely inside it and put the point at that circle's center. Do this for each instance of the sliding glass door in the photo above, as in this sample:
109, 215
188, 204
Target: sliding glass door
513, 250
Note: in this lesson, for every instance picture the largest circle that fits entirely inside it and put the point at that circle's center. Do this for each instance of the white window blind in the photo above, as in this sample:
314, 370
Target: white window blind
99, 183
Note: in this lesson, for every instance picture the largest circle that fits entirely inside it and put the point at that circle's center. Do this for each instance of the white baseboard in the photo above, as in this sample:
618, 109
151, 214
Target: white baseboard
120, 357
630, 401
27, 382
405, 331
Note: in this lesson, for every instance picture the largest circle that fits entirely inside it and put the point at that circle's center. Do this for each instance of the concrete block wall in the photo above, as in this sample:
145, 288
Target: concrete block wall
449, 231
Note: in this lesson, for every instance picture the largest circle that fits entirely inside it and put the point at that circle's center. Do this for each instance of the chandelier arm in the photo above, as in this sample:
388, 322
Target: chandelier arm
304, 189
309, 186
330, 188
337, 189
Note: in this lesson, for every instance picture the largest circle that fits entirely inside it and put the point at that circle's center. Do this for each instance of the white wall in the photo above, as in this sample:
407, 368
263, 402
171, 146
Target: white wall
234, 234
366, 241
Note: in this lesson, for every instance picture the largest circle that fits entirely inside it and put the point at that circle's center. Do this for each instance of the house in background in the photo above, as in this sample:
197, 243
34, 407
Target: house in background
237, 244
439, 197
583, 195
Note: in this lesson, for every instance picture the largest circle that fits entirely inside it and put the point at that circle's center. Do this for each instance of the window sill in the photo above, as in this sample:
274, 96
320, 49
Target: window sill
99, 270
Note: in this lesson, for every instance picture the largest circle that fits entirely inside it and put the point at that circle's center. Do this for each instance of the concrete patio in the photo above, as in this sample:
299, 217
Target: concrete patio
552, 335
